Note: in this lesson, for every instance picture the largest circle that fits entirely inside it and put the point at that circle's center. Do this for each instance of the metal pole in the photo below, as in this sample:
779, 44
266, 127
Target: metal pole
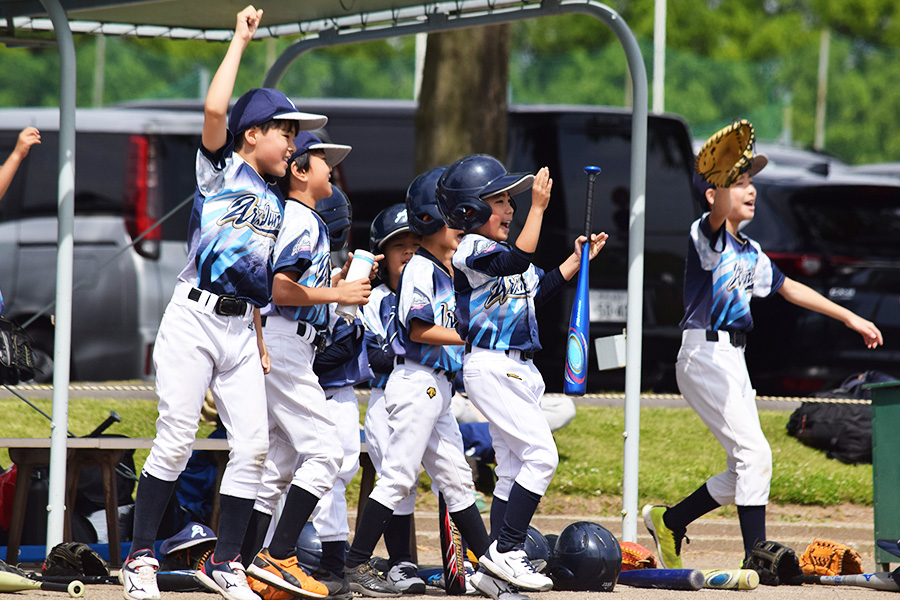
65, 253
638, 73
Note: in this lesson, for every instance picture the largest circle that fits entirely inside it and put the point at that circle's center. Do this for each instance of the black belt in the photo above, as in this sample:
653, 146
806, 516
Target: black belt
309, 333
523, 355
450, 375
738, 339
226, 305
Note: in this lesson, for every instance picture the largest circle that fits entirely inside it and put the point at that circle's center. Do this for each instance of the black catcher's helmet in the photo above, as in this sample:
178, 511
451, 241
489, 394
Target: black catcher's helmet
462, 188
335, 210
587, 557
421, 204
386, 224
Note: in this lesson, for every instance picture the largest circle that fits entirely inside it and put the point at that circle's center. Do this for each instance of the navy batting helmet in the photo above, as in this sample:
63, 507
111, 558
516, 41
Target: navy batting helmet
335, 210
309, 548
386, 224
537, 549
464, 185
587, 557
421, 204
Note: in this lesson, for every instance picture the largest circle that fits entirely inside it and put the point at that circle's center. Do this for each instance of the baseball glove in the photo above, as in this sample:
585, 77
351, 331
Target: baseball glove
728, 154
7, 568
635, 556
74, 558
824, 557
16, 356
775, 563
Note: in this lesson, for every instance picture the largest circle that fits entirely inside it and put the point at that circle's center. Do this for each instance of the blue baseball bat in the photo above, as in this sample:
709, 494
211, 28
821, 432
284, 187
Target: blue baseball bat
575, 380
666, 579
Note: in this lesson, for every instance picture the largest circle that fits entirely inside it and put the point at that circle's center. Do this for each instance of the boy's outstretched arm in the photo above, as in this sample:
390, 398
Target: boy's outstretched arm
806, 297
215, 109
28, 137
571, 265
540, 199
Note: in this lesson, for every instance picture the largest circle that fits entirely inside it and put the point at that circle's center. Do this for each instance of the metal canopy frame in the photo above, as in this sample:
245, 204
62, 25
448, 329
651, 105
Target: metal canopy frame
326, 23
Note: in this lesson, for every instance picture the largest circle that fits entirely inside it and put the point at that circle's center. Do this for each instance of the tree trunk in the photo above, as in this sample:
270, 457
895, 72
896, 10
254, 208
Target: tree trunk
462, 104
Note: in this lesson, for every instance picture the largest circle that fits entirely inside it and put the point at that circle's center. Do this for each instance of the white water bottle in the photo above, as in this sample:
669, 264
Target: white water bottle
360, 268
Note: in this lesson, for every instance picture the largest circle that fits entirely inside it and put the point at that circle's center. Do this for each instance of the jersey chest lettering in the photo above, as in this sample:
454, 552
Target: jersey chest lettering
512, 286
247, 211
741, 277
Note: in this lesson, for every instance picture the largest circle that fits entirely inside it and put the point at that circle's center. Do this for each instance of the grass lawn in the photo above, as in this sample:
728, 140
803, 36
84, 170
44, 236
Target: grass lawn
677, 454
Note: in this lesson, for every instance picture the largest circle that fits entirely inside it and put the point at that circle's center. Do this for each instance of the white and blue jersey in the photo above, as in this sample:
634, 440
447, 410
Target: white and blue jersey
497, 287
426, 293
303, 247
344, 361
722, 274
234, 221
380, 318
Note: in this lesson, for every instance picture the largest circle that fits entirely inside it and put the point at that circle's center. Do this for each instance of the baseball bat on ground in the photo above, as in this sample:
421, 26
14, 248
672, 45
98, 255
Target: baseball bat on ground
10, 582
664, 579
579, 322
876, 581
730, 579
452, 554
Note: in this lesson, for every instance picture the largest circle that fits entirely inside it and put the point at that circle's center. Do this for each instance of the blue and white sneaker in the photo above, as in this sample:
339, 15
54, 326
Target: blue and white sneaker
514, 567
437, 579
227, 578
138, 576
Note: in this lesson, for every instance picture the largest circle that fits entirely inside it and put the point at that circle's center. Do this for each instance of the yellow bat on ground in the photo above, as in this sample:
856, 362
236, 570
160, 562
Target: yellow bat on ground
730, 579
10, 582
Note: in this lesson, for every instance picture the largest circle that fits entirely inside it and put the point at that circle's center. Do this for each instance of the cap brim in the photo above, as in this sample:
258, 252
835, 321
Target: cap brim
757, 164
514, 183
307, 121
892, 546
334, 153
393, 234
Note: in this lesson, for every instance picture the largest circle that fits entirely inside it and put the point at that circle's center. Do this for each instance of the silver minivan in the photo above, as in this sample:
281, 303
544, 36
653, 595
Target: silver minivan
133, 166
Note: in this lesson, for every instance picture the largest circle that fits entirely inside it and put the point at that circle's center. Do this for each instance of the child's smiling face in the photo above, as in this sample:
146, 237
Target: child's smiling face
502, 211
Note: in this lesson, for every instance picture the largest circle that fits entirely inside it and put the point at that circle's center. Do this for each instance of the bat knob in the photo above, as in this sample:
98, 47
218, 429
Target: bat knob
592, 170
76, 589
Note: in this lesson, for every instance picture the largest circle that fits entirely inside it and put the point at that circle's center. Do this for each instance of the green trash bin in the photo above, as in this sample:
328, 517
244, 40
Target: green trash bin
885, 466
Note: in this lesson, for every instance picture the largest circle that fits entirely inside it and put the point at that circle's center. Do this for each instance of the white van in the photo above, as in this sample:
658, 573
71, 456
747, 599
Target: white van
132, 167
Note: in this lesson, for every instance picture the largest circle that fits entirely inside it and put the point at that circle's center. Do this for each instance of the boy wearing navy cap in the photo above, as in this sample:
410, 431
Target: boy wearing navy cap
209, 336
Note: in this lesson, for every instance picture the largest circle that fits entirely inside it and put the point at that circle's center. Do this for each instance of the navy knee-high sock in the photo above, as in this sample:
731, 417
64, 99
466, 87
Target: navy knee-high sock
234, 515
521, 507
333, 556
753, 526
498, 515
373, 522
700, 502
471, 529
396, 539
255, 536
298, 506
153, 495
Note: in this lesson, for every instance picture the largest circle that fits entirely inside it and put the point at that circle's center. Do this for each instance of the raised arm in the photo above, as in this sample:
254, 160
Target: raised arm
28, 137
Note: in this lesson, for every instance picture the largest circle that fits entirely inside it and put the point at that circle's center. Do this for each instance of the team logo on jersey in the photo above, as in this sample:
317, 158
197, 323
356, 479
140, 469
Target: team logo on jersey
741, 277
247, 211
431, 392
483, 246
419, 300
513, 376
512, 286
303, 244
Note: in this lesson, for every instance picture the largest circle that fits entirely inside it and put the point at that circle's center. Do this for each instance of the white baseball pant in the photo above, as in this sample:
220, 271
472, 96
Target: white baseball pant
378, 432
304, 449
507, 391
330, 516
713, 379
423, 431
198, 349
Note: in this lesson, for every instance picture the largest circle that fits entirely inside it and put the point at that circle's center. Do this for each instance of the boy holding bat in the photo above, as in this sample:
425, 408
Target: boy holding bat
724, 271
497, 289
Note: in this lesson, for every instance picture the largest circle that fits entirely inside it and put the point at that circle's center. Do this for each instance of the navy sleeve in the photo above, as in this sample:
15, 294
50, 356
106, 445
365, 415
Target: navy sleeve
380, 358
347, 341
511, 262
301, 266
217, 157
550, 284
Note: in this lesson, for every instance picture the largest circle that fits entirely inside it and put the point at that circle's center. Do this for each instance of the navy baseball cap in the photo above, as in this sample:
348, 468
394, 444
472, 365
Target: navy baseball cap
334, 153
264, 104
193, 533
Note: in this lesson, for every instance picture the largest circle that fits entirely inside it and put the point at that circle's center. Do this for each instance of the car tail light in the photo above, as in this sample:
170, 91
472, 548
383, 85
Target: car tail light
808, 265
142, 197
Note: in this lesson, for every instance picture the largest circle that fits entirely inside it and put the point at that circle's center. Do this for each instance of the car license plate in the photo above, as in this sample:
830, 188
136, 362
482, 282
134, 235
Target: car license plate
608, 306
